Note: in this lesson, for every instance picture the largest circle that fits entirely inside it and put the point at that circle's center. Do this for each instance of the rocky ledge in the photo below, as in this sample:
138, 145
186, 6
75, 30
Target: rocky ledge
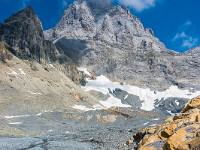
179, 132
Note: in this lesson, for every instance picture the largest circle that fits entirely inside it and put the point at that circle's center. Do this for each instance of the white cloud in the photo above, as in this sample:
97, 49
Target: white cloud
190, 42
139, 5
179, 35
182, 36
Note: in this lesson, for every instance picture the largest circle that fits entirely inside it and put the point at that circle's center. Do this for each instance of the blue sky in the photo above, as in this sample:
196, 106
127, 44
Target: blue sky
175, 22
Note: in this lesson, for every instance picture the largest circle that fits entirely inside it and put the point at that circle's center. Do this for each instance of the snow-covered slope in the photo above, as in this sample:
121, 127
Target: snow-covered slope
147, 96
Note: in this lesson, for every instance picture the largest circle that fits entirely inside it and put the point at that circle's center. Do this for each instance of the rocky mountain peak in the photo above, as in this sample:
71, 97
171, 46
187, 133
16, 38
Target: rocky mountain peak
108, 24
21, 15
23, 34
112, 41
104, 21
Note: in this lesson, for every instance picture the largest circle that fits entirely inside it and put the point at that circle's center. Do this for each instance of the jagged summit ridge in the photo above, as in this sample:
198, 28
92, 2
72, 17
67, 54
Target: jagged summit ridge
21, 15
24, 33
112, 25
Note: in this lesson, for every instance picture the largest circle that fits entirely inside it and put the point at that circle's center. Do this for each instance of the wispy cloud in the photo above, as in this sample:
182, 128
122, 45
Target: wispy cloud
139, 5
179, 36
190, 42
187, 23
187, 40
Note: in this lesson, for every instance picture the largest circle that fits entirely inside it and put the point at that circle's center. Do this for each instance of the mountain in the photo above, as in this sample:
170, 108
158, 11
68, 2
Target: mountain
23, 33
32, 68
109, 40
47, 102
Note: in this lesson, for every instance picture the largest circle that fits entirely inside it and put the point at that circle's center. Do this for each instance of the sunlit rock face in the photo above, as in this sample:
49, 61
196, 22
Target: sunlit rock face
109, 40
179, 132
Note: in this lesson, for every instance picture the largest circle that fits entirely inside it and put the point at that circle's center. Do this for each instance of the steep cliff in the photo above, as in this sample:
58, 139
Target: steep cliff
23, 33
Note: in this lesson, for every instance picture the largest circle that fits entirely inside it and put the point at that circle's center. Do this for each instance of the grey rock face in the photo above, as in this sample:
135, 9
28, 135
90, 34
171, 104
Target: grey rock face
195, 52
127, 98
111, 41
4, 54
23, 36
170, 105
24, 33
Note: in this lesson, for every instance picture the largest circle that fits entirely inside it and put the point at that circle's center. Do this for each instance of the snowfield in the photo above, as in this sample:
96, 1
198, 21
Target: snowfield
147, 96
103, 84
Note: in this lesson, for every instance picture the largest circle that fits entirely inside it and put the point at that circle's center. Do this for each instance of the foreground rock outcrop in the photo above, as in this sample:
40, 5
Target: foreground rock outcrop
179, 132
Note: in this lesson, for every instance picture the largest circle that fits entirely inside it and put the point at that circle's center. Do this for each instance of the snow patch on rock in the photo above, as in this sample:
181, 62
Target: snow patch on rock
21, 71
13, 72
15, 123
83, 108
34, 93
84, 70
126, 97
153, 125
103, 84
113, 102
20, 116
177, 102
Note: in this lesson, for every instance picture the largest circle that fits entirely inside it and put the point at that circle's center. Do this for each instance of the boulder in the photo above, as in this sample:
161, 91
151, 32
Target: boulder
179, 132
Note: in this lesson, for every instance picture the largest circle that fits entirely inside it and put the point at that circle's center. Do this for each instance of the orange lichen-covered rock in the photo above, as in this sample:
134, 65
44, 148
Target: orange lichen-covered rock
193, 103
78, 96
179, 132
195, 144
